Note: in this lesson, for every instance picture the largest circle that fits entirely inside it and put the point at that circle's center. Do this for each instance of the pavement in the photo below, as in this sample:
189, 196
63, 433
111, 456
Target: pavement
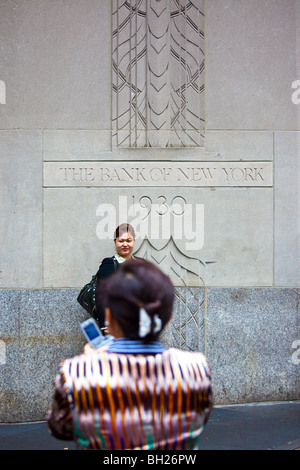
262, 426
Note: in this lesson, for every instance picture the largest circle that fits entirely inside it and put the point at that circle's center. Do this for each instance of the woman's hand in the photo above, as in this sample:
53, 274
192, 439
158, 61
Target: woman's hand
88, 349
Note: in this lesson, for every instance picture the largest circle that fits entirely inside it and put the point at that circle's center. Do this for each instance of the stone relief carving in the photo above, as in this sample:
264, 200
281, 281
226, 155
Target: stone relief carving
187, 328
183, 269
158, 73
158, 101
166, 233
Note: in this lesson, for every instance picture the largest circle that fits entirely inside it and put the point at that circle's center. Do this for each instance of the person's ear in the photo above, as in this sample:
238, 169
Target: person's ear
108, 317
113, 327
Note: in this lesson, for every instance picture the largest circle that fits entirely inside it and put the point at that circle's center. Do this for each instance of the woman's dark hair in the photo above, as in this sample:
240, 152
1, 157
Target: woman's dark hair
124, 228
138, 284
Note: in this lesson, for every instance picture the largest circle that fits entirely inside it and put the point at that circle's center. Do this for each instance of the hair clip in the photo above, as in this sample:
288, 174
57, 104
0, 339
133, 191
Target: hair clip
145, 323
157, 324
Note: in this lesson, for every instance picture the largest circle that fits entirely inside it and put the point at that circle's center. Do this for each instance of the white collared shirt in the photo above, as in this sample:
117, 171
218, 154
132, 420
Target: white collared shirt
119, 258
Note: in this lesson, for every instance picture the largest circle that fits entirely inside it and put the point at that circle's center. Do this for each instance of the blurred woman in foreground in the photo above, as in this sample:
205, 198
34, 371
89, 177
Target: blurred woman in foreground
134, 393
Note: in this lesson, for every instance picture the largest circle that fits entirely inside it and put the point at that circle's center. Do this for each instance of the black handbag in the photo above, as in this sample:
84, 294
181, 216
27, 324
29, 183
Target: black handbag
86, 297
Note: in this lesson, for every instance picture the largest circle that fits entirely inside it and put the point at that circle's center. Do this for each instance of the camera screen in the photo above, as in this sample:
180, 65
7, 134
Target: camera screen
91, 331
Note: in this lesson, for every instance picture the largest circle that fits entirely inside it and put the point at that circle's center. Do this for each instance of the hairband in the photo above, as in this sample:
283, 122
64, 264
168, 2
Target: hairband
145, 323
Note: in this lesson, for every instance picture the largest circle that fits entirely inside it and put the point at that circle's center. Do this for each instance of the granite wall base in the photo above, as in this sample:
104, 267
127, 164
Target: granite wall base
249, 335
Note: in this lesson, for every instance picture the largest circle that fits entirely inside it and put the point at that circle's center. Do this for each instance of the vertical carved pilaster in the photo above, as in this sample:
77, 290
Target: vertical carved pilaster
158, 67
157, 70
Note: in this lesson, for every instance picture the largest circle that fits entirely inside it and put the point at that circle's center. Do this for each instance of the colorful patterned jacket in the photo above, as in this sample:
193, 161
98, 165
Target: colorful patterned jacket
117, 400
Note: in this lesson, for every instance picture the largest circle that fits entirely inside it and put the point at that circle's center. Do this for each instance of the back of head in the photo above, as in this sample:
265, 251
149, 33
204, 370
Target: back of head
137, 286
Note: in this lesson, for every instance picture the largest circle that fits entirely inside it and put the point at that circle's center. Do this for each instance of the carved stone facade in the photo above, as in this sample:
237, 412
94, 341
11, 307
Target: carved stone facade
180, 117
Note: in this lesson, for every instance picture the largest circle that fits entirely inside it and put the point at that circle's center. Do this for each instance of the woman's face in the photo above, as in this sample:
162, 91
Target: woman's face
124, 245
